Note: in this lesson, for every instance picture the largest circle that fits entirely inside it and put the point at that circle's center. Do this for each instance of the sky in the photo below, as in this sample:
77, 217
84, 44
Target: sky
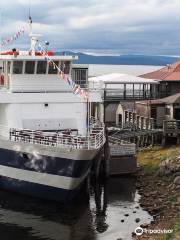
150, 27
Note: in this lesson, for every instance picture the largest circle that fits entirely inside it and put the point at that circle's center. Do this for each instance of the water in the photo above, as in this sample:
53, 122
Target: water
136, 70
25, 218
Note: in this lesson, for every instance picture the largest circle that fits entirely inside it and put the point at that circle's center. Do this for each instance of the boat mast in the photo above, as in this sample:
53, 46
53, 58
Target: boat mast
33, 37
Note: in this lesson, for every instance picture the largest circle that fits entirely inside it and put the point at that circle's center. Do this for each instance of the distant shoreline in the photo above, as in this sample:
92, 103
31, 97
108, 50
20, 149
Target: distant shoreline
131, 59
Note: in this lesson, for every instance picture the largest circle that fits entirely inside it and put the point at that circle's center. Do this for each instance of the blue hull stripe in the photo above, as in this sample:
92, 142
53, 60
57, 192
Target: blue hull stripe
44, 164
37, 190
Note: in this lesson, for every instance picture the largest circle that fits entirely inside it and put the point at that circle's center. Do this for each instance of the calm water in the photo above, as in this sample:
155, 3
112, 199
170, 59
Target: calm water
31, 219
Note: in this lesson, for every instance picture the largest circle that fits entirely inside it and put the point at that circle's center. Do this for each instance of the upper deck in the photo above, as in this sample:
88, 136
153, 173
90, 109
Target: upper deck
22, 71
25, 56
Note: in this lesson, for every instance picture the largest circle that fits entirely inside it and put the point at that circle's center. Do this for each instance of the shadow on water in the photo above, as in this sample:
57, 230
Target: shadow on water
103, 217
116, 211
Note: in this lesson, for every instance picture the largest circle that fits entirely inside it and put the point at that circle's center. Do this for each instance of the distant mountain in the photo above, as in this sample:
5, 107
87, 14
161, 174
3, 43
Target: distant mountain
124, 59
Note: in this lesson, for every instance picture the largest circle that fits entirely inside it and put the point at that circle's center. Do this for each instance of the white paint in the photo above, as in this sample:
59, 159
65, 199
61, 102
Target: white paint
45, 179
60, 97
38, 82
53, 117
121, 78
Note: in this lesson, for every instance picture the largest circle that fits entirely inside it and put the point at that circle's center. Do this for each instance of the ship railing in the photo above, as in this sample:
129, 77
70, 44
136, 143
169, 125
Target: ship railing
94, 140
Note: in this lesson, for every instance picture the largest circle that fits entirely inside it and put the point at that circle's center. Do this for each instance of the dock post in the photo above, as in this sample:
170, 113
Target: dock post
152, 139
163, 140
106, 155
178, 139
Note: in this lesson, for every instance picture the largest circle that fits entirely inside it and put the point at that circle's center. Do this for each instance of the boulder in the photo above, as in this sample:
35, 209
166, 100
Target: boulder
177, 180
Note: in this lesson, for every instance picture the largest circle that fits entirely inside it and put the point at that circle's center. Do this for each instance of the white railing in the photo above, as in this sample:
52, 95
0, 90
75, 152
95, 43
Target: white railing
94, 140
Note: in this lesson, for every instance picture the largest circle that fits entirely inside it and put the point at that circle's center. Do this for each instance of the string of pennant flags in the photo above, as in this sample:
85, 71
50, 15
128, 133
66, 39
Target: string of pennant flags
14, 37
76, 88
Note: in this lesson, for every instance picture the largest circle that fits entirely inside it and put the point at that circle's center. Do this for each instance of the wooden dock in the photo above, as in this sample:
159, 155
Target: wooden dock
122, 157
171, 128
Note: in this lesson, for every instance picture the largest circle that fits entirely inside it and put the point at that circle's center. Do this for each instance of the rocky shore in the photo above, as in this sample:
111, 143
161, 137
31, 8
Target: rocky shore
158, 182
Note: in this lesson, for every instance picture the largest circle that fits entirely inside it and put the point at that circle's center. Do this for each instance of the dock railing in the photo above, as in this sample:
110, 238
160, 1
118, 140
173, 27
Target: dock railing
119, 147
171, 127
94, 140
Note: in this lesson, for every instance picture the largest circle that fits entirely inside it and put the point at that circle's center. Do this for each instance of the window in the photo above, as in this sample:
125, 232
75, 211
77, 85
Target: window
8, 67
79, 75
41, 67
65, 67
167, 111
29, 67
52, 68
17, 67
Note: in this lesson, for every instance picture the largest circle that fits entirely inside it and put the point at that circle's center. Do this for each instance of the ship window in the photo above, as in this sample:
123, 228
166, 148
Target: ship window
29, 68
41, 67
17, 67
52, 68
79, 75
3, 67
65, 67
9, 67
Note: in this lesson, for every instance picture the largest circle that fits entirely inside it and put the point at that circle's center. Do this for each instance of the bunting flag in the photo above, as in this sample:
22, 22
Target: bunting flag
77, 90
75, 87
11, 39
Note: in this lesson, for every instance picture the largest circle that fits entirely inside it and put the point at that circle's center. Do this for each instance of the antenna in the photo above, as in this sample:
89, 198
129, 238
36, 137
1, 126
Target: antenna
29, 8
30, 19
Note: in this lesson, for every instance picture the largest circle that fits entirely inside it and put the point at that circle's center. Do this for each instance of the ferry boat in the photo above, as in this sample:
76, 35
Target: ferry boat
47, 139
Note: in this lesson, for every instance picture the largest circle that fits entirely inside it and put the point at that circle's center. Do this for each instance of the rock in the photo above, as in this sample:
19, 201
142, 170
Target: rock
177, 180
177, 187
177, 174
133, 234
154, 193
144, 225
122, 220
137, 220
134, 211
178, 199
126, 215
178, 157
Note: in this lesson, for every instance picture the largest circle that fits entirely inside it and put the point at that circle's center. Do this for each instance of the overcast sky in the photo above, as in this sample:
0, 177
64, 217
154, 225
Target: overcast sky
124, 26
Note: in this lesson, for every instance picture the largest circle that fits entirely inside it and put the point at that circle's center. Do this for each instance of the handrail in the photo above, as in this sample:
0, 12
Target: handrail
171, 126
94, 140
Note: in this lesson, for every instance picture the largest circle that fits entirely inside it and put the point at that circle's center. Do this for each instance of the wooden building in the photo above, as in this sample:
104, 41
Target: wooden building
160, 109
170, 79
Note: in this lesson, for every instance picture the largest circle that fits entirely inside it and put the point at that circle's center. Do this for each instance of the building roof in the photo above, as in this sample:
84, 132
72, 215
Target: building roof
119, 78
169, 73
167, 100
